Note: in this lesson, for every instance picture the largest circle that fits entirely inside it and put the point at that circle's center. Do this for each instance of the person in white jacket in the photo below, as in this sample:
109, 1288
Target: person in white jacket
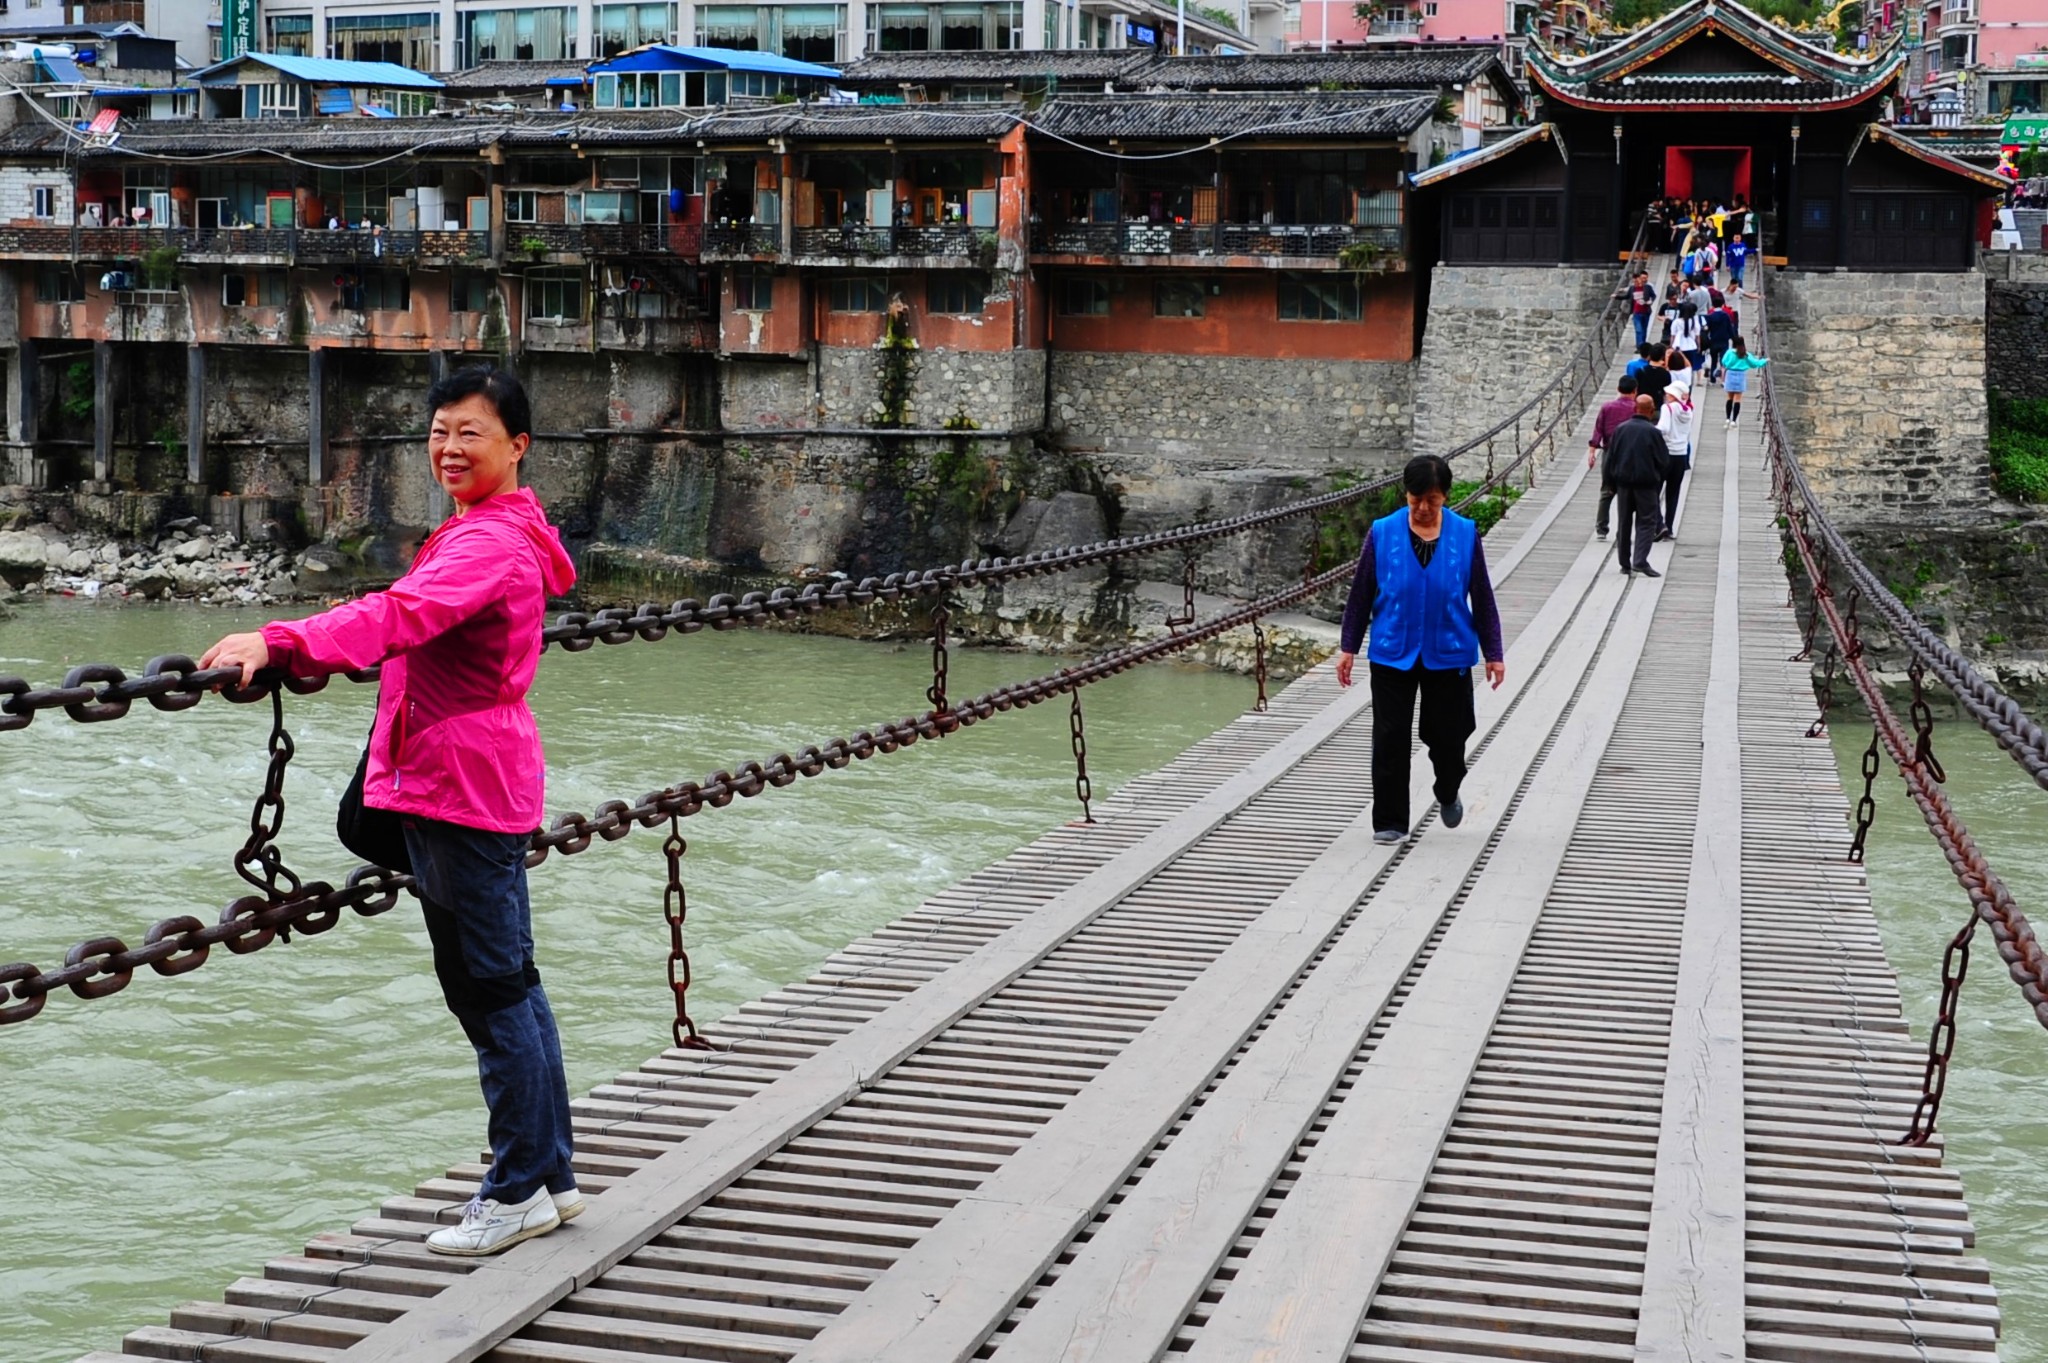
1674, 423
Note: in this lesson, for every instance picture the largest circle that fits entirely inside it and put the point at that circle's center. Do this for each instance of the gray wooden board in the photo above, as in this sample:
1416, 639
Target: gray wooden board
949, 1292
1692, 1298
1302, 1290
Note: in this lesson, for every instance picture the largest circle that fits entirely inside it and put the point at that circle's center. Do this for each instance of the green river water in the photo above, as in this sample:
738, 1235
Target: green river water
157, 1145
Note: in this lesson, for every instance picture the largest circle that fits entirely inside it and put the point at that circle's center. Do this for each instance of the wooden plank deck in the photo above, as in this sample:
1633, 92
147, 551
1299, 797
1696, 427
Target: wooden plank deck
1609, 1072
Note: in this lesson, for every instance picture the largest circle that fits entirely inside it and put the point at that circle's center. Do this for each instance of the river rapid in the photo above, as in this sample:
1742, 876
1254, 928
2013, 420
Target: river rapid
158, 1144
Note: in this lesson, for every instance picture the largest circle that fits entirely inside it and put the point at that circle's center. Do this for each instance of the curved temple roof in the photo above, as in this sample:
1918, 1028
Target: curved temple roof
1792, 75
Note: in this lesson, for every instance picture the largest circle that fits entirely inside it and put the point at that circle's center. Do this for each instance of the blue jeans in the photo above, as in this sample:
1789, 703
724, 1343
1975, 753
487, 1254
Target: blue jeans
1642, 320
472, 887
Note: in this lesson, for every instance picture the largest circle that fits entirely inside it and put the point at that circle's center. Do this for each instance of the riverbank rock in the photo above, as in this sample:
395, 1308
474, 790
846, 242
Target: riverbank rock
22, 558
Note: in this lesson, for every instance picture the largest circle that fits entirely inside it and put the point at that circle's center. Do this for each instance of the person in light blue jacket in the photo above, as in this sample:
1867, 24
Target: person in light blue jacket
1735, 367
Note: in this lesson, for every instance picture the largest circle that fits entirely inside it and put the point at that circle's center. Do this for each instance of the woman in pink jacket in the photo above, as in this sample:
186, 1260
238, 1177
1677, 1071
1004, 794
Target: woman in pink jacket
455, 752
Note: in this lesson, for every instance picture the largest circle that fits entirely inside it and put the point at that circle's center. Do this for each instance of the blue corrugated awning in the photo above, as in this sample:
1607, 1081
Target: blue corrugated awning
335, 102
124, 91
574, 82
378, 111
662, 57
327, 71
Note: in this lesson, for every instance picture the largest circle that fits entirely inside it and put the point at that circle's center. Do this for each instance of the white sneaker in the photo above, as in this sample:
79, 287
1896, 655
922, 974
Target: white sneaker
488, 1226
569, 1205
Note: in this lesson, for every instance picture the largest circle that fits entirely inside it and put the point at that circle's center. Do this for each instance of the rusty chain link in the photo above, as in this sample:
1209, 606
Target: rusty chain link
675, 907
942, 661
1866, 808
259, 862
1923, 724
1084, 789
1818, 546
1187, 587
1259, 665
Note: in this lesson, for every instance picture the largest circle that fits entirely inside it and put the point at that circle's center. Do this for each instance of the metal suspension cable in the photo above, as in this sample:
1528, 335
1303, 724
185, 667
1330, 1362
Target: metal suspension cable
1817, 543
95, 692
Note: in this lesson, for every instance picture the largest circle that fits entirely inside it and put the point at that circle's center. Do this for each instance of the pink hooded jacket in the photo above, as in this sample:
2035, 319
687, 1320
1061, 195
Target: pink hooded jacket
459, 637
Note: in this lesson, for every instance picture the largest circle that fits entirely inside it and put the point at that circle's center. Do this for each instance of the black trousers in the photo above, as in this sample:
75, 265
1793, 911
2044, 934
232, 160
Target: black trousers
1447, 721
1674, 479
1635, 510
1600, 518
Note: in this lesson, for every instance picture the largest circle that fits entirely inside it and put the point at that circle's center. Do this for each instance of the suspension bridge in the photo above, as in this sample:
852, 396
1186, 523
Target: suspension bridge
1616, 1070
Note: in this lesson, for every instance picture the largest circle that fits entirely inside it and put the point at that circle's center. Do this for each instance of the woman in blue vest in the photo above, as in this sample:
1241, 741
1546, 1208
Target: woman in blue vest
1423, 588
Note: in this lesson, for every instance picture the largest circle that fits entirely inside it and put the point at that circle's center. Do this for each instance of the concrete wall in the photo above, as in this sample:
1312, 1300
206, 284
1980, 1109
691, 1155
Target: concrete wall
1883, 378
1496, 333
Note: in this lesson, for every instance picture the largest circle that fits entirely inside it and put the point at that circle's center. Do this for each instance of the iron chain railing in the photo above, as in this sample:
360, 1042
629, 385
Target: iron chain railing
1819, 548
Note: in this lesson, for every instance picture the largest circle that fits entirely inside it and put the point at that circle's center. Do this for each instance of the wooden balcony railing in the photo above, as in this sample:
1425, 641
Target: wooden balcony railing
874, 243
1309, 240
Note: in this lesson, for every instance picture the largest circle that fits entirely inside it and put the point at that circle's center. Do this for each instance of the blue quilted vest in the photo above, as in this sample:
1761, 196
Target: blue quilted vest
1423, 615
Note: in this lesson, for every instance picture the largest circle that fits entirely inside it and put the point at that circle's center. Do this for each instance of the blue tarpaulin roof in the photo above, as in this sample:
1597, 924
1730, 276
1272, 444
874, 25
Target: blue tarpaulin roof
662, 57
327, 71
336, 102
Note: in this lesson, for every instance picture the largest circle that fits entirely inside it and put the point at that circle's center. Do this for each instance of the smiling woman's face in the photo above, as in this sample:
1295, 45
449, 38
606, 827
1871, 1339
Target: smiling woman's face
471, 453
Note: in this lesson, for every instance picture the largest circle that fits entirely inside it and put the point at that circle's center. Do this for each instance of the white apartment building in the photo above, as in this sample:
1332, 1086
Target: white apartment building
450, 35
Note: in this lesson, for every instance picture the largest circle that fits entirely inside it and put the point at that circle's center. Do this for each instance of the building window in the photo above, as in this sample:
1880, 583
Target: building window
289, 34
43, 201
753, 291
469, 291
1180, 298
554, 296
957, 294
641, 90
408, 40
253, 289
522, 205
54, 284
276, 99
1429, 9
505, 35
810, 33
859, 293
734, 26
950, 27
1084, 298
376, 290
621, 28
1320, 298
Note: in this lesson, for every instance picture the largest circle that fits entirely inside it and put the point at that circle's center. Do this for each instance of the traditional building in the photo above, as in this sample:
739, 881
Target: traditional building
1712, 101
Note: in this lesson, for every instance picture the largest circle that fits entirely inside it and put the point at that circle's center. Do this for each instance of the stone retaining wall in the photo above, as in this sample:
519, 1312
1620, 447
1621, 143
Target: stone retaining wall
1496, 334
1883, 377
2016, 338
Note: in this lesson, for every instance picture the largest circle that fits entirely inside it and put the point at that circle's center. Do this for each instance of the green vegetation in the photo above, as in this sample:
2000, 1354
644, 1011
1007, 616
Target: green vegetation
1488, 510
78, 382
171, 436
1222, 18
1795, 14
160, 267
899, 356
2019, 447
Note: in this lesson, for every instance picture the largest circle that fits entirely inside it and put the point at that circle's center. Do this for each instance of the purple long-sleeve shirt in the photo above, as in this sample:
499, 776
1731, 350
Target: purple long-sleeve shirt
1613, 412
1365, 590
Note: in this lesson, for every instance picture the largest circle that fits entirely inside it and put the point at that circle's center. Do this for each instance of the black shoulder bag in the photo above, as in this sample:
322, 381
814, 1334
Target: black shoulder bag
375, 835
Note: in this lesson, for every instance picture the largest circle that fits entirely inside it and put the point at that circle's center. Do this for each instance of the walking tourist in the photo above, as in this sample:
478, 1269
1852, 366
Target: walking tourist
1738, 261
1642, 300
1674, 423
1611, 414
1635, 466
1736, 365
1720, 328
1687, 335
1423, 589
1654, 377
454, 765
1674, 294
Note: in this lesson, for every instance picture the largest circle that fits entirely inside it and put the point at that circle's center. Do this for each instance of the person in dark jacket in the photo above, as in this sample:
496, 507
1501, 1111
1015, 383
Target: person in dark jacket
1423, 588
1613, 413
1635, 466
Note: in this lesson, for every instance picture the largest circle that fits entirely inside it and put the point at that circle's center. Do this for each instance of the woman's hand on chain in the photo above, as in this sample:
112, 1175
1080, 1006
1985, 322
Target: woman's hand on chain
246, 651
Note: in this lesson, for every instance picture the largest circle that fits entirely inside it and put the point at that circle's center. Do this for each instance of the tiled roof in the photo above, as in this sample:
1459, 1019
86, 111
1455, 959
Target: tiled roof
1388, 68
1014, 68
1338, 113
1590, 80
510, 75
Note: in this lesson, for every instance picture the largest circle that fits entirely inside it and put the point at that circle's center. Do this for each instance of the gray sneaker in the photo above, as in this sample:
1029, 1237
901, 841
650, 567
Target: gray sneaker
1452, 814
1390, 835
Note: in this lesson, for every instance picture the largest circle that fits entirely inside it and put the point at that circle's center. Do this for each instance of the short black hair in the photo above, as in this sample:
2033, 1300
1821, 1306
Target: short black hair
499, 387
1426, 473
1625, 384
